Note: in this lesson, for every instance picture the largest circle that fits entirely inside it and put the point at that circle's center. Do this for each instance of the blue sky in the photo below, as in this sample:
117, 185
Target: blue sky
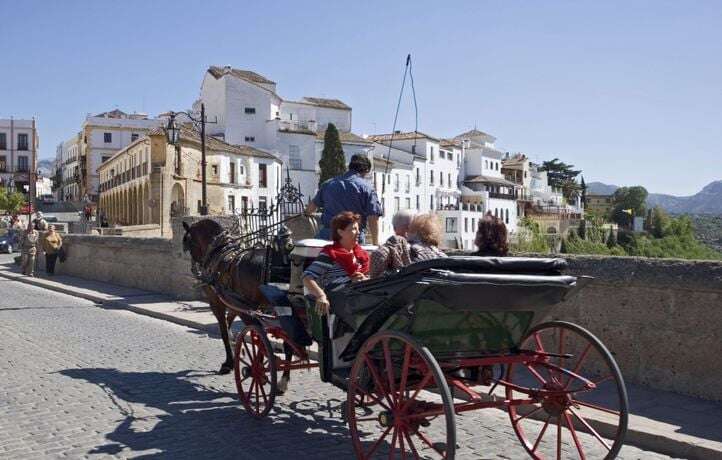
628, 91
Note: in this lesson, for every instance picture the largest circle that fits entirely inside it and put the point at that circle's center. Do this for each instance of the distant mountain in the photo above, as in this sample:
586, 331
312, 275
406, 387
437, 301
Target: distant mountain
707, 201
598, 188
46, 167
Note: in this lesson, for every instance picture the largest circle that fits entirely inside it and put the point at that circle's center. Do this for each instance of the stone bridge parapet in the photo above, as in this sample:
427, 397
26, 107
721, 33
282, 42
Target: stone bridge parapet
661, 318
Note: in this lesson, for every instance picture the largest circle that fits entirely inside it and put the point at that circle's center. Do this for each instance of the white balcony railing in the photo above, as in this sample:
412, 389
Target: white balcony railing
297, 125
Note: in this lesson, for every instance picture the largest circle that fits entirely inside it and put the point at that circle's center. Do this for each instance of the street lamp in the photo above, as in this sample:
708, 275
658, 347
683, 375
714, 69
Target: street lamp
172, 132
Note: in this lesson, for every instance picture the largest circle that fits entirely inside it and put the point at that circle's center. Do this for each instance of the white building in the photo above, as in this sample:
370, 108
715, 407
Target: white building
101, 136
67, 163
16, 152
431, 168
484, 181
248, 111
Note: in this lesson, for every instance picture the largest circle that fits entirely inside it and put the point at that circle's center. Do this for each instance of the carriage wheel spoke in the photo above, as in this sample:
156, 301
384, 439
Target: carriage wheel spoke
422, 385
538, 341
248, 352
258, 401
377, 379
559, 438
596, 407
250, 392
392, 452
389, 369
378, 442
570, 425
405, 369
591, 430
412, 447
370, 396
263, 393
428, 442
604, 379
536, 374
541, 434
527, 415
401, 444
582, 357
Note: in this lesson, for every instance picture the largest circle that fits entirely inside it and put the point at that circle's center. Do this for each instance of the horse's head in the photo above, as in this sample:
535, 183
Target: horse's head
198, 236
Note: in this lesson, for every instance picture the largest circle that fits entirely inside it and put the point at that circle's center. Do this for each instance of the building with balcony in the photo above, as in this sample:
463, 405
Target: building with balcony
19, 142
150, 181
483, 179
423, 174
247, 110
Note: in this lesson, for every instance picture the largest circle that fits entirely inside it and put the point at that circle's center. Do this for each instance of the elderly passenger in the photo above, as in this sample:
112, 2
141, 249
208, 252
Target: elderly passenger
339, 263
395, 253
425, 237
491, 237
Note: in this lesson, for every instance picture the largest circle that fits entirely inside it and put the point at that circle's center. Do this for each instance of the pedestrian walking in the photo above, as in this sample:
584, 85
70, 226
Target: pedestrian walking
51, 242
29, 250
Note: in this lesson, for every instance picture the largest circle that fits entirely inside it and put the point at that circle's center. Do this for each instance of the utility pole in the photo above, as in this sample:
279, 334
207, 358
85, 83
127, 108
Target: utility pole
31, 176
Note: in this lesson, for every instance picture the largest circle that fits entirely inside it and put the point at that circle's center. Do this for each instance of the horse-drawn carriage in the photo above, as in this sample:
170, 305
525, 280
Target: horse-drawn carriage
419, 348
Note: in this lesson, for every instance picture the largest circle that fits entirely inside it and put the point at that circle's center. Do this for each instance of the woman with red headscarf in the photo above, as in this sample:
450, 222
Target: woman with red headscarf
339, 263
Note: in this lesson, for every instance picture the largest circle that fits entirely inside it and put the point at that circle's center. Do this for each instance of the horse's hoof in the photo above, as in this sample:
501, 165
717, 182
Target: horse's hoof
225, 369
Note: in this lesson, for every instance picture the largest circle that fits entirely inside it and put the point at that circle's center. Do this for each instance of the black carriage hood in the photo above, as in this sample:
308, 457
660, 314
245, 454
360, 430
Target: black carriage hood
459, 283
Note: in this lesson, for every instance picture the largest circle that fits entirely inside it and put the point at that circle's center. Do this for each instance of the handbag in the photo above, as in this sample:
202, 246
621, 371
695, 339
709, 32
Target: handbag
62, 255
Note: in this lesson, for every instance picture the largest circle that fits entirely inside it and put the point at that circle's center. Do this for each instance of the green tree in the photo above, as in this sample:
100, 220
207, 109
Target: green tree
582, 229
11, 202
625, 198
583, 186
611, 240
563, 176
530, 238
659, 222
333, 160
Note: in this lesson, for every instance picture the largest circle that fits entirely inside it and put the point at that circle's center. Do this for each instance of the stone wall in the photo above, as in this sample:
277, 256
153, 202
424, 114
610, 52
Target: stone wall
661, 318
153, 264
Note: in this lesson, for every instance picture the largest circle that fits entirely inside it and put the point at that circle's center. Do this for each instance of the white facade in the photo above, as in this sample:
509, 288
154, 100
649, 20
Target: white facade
432, 169
249, 112
16, 151
245, 185
106, 134
67, 163
484, 179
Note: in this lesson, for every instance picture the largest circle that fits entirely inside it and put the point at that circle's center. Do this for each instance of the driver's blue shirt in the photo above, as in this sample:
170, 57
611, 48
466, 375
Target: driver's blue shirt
348, 192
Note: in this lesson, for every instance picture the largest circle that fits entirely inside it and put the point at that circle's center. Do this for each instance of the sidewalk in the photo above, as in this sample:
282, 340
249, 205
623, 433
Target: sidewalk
664, 422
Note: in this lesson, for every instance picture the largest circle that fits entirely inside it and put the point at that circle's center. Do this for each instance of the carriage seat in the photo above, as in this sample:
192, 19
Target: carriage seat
475, 264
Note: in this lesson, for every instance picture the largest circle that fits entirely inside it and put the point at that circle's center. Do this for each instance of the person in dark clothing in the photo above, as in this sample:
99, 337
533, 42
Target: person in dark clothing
349, 192
491, 237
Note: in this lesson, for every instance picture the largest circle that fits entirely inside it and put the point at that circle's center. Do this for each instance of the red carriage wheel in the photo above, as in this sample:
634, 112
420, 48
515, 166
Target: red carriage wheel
580, 408
390, 410
255, 371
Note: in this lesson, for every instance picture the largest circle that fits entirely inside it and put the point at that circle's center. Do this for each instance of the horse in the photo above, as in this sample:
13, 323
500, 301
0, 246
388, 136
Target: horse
242, 275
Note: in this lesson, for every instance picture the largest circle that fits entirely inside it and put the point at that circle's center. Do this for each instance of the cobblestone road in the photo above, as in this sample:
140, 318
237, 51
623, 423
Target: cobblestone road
81, 381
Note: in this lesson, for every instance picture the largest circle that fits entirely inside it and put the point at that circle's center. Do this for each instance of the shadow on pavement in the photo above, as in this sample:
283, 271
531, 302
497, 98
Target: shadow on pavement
190, 420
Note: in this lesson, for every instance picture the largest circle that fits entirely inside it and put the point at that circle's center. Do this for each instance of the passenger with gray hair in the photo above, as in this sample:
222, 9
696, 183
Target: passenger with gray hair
395, 252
